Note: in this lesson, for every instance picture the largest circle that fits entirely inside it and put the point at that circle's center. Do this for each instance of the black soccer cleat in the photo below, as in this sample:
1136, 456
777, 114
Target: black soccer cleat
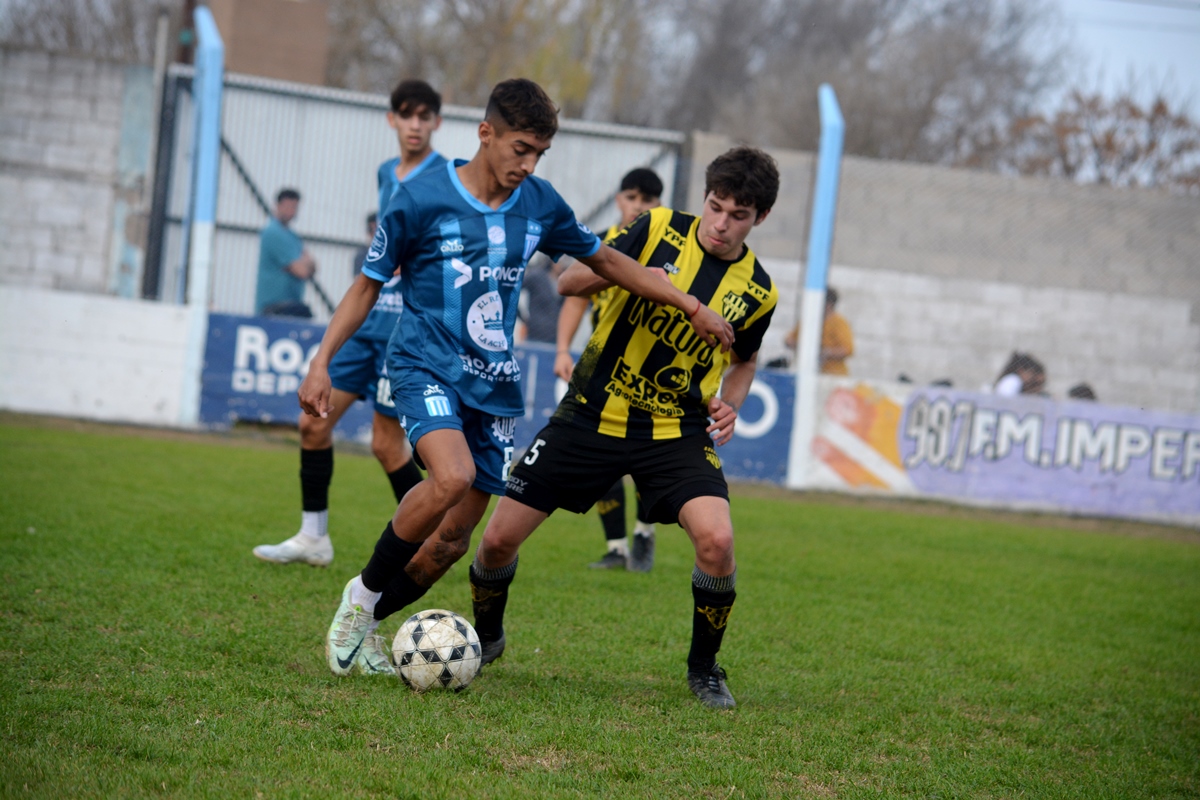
611, 560
709, 686
641, 557
491, 650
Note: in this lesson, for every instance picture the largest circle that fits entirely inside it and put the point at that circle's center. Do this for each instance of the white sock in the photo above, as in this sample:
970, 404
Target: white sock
618, 546
314, 523
362, 596
643, 528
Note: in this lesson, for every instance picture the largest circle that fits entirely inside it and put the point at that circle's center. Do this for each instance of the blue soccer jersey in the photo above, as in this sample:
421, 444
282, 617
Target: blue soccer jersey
382, 320
463, 266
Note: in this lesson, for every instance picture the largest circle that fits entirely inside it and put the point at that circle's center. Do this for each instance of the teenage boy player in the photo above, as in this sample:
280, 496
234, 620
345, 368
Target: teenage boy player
641, 190
643, 401
464, 235
358, 371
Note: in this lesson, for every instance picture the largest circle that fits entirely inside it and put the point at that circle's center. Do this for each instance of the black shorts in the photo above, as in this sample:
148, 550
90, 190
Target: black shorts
571, 468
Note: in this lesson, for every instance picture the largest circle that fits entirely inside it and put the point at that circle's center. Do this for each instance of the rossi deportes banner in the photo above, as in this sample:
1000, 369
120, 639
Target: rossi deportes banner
1074, 457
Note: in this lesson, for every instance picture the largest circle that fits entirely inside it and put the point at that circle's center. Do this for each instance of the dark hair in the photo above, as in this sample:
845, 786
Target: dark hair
287, 194
412, 94
1081, 391
748, 175
1022, 361
519, 104
831, 296
372, 218
645, 181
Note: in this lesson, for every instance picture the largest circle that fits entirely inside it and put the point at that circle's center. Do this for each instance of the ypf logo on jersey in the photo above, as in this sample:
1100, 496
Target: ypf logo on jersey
733, 307
378, 245
485, 323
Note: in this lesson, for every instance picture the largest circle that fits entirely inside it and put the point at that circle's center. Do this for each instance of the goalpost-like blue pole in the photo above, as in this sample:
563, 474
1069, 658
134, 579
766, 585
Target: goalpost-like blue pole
207, 84
812, 307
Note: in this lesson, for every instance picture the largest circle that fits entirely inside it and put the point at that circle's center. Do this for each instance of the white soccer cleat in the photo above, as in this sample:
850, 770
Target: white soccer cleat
348, 632
314, 550
374, 658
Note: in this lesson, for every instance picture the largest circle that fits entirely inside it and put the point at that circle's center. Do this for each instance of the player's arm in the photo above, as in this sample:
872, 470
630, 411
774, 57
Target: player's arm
569, 316
351, 312
579, 281
735, 387
616, 267
303, 267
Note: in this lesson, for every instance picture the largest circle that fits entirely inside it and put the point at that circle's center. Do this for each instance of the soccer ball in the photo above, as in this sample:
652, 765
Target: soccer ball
437, 649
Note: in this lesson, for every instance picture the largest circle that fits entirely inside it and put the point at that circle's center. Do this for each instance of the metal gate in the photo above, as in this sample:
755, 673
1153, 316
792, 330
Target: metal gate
328, 144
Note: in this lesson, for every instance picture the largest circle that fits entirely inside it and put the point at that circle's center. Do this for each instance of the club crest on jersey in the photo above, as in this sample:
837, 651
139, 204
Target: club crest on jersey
452, 246
378, 245
503, 428
485, 322
670, 268
733, 307
532, 240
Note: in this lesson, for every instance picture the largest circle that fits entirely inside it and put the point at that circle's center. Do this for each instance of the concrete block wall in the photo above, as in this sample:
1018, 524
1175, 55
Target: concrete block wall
60, 132
944, 272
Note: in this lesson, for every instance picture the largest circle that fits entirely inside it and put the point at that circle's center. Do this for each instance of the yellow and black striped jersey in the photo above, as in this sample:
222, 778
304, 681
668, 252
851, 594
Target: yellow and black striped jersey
645, 373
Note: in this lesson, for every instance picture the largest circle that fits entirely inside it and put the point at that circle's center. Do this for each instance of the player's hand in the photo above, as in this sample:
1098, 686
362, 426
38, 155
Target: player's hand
724, 417
315, 391
713, 328
563, 365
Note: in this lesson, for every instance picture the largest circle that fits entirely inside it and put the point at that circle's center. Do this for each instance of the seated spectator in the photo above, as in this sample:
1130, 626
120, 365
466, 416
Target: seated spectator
837, 340
1023, 374
1081, 391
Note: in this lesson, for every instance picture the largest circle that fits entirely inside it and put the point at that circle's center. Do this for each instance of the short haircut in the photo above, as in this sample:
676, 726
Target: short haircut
519, 104
372, 218
746, 174
287, 194
1081, 391
1022, 361
831, 295
412, 94
645, 181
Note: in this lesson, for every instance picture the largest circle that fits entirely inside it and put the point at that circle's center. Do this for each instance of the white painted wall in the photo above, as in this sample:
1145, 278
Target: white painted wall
91, 356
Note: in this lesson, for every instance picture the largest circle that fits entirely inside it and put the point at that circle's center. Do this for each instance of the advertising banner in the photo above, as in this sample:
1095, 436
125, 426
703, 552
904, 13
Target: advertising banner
1019, 452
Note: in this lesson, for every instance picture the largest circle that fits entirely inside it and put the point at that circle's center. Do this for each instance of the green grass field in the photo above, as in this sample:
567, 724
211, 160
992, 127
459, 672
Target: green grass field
873, 652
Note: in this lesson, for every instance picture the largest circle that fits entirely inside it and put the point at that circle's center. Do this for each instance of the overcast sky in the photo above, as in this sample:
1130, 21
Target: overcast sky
1158, 39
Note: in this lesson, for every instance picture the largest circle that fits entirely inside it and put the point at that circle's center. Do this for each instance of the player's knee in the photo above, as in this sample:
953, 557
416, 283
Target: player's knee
715, 546
315, 432
383, 450
452, 481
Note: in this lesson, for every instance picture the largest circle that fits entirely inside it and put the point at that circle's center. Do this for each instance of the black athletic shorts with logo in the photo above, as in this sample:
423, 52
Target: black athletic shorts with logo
571, 468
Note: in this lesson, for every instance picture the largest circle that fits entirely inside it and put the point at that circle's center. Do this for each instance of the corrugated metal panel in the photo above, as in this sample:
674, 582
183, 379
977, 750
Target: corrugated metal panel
328, 144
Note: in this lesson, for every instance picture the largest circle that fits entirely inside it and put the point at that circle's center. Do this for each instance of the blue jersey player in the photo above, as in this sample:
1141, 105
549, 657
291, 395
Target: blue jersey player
464, 235
359, 370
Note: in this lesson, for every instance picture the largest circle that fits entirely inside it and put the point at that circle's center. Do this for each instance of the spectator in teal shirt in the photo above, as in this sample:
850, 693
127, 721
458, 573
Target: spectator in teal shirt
283, 263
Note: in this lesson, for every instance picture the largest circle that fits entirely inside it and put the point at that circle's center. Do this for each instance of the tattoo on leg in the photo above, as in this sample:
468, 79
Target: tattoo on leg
438, 554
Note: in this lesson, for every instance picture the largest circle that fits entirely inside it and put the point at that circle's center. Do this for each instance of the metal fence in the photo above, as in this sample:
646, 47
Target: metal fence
328, 144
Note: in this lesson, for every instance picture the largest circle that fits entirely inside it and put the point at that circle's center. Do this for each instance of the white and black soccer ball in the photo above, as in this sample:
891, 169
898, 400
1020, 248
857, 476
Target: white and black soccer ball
437, 649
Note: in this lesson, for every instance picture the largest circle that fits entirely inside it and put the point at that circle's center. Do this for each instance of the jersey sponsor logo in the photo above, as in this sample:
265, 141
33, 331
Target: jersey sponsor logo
516, 486
503, 428
464, 273
438, 405
433, 389
671, 328
672, 236
496, 371
758, 292
670, 268
673, 379
641, 393
712, 457
502, 274
452, 246
485, 323
496, 235
585, 228
378, 247
733, 307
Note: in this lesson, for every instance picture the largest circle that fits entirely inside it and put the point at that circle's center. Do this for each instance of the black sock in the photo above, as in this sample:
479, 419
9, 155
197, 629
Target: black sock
404, 479
611, 508
642, 511
712, 601
391, 556
316, 472
489, 596
402, 591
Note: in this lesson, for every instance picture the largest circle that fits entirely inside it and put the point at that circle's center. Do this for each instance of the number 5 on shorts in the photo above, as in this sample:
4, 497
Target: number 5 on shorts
533, 452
